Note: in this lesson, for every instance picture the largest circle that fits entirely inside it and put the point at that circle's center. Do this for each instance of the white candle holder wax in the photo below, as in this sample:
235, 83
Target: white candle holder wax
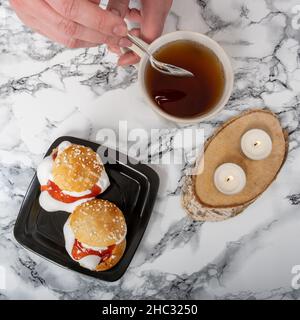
256, 144
230, 178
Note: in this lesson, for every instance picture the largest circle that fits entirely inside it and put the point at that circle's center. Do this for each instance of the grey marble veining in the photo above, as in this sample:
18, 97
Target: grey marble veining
47, 91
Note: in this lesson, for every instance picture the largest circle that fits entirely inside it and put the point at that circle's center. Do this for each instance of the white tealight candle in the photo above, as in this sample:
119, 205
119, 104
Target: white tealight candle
230, 179
256, 144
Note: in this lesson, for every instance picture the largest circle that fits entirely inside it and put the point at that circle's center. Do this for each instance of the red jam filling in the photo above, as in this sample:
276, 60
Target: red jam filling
54, 155
56, 193
79, 252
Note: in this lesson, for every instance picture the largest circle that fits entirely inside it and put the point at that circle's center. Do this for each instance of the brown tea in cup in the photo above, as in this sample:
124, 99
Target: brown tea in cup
186, 97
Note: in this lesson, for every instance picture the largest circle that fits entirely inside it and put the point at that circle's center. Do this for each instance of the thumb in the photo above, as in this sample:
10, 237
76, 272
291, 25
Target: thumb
154, 14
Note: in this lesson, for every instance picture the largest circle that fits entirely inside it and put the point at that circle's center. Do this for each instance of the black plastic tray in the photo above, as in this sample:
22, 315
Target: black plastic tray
133, 189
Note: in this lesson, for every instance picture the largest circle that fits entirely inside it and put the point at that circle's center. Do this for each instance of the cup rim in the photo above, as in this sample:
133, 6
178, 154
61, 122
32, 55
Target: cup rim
221, 55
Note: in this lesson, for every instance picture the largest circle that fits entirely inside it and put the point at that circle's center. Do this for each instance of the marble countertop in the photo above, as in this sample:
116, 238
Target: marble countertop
47, 91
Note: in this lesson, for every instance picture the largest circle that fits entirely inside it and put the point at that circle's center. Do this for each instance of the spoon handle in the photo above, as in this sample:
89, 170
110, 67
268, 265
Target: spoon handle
141, 45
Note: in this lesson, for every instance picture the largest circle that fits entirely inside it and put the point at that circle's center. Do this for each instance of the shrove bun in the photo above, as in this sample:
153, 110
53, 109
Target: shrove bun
115, 257
77, 168
98, 223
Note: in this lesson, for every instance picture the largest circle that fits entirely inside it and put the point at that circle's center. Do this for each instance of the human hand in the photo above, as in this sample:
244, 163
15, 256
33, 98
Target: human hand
74, 23
151, 18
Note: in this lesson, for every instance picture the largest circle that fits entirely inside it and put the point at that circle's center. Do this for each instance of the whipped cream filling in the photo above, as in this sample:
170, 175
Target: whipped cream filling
91, 261
44, 174
51, 205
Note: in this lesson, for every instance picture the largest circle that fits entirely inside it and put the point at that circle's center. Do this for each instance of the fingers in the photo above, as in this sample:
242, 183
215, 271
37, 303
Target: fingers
58, 37
49, 21
118, 7
130, 57
90, 15
74, 30
77, 22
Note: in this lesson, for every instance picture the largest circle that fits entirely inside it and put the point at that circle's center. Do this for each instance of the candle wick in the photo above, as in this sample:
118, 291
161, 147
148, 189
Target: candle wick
230, 178
257, 143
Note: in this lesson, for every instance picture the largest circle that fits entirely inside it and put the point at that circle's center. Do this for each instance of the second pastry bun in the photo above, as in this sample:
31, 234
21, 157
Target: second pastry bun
77, 168
98, 223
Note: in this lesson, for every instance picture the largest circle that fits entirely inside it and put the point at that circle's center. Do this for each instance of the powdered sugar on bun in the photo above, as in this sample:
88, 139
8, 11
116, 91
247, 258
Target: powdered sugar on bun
76, 168
98, 223
46, 201
44, 174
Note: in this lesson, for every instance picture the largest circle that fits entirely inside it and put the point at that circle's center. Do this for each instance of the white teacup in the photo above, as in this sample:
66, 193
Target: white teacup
195, 37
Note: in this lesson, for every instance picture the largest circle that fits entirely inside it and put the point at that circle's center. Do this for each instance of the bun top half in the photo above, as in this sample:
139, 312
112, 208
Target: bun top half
98, 223
77, 168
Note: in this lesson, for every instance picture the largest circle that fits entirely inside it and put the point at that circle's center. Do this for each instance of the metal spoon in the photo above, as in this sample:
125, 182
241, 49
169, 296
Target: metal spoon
162, 67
